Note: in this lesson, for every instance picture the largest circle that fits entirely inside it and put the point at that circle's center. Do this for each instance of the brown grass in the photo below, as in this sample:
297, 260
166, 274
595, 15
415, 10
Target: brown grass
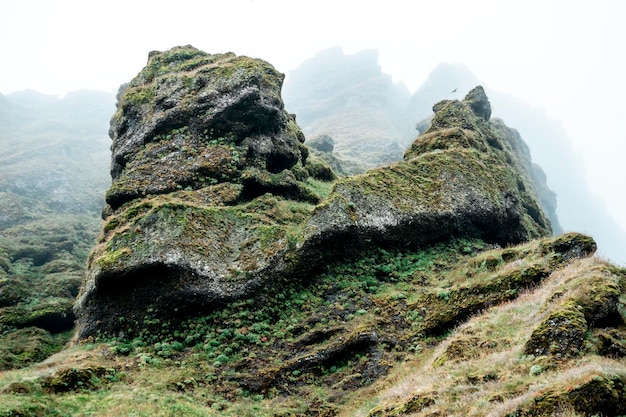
480, 369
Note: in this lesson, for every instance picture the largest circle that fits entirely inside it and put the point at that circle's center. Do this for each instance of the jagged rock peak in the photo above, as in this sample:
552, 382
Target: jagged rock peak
478, 101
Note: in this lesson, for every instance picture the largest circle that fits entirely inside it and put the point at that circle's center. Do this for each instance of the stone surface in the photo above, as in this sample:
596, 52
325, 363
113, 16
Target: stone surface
465, 177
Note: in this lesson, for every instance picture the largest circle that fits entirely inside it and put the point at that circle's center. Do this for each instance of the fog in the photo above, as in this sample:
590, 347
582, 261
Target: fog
565, 59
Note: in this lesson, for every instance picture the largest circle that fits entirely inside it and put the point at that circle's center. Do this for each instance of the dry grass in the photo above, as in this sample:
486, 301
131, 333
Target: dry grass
481, 369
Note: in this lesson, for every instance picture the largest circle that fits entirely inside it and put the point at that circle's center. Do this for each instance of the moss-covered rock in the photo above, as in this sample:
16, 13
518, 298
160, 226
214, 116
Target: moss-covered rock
251, 226
319, 168
464, 177
209, 189
12, 292
191, 119
561, 334
322, 143
27, 346
592, 302
176, 258
77, 379
603, 395
413, 405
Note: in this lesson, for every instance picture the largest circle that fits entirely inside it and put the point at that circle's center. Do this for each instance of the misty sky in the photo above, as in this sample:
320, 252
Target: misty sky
568, 57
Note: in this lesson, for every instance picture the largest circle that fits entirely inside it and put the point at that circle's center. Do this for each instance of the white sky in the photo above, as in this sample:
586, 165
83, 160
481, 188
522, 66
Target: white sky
568, 57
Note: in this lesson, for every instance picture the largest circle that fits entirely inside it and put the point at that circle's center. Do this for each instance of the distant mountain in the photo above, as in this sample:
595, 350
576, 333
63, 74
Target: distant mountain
54, 168
350, 99
32, 99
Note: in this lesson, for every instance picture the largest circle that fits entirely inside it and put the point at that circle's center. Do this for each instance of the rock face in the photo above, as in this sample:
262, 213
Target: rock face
195, 138
212, 196
466, 176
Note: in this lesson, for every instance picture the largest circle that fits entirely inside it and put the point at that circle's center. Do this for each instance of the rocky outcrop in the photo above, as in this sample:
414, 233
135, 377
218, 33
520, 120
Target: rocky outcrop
466, 176
198, 139
191, 119
212, 198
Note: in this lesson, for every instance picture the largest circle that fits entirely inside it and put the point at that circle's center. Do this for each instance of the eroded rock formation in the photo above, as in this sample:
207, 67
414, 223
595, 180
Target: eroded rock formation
211, 197
196, 139
466, 176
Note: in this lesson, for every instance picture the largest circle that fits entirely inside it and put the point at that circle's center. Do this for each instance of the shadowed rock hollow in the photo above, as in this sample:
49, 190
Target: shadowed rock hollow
213, 196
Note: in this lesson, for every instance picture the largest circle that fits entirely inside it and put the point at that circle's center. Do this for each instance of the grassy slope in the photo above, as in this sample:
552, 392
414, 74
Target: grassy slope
376, 337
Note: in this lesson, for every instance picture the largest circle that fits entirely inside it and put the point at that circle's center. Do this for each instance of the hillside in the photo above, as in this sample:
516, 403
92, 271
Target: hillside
350, 99
235, 275
54, 160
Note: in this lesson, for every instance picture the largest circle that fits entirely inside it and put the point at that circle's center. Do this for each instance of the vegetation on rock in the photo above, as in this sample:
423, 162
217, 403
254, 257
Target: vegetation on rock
211, 182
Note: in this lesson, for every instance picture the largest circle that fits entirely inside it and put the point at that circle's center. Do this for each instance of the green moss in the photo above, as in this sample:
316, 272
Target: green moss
600, 395
114, 257
572, 245
23, 347
562, 333
320, 169
179, 59
78, 379
136, 97
12, 292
